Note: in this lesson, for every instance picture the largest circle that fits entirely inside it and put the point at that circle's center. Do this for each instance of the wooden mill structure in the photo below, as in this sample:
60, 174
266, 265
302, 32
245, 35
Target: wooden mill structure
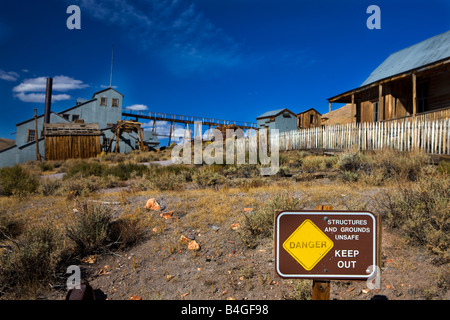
126, 126
71, 140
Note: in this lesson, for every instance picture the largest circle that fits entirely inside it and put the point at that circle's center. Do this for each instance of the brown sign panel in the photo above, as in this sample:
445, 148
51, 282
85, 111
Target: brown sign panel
327, 245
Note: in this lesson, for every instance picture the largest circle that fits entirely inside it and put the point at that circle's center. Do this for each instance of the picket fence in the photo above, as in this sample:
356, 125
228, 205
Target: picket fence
431, 136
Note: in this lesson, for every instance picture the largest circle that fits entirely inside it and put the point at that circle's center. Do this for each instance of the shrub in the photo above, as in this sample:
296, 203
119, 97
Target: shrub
127, 231
444, 166
45, 166
301, 289
318, 163
350, 161
79, 186
208, 178
398, 165
90, 228
382, 166
33, 258
421, 212
49, 186
9, 227
84, 169
167, 181
17, 181
123, 171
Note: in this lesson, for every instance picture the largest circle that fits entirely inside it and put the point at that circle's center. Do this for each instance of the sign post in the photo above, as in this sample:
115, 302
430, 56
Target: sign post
325, 245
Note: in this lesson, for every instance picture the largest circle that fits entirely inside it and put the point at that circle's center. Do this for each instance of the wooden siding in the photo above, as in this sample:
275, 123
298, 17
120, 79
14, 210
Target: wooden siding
304, 119
71, 147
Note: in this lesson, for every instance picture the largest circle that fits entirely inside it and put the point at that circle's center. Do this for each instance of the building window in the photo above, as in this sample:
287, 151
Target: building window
375, 111
311, 118
115, 102
75, 117
31, 135
66, 116
103, 101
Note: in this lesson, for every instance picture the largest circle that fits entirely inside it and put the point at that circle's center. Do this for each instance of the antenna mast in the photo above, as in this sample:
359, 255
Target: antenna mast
112, 59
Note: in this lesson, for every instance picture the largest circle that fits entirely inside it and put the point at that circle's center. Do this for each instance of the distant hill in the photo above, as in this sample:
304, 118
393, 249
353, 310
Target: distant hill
6, 143
339, 116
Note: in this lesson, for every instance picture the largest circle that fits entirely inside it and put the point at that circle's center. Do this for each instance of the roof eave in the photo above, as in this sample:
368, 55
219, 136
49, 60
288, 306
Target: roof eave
339, 97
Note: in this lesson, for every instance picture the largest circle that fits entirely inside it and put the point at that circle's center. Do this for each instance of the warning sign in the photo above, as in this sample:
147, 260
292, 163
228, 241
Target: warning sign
308, 244
326, 244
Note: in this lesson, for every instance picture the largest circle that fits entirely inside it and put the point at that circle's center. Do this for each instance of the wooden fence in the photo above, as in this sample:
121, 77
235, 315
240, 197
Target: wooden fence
431, 136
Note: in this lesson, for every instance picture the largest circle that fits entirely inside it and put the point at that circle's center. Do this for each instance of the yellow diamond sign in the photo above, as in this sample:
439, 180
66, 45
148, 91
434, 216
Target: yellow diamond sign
308, 244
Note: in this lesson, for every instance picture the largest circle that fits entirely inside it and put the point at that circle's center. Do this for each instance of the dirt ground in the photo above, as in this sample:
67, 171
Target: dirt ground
162, 268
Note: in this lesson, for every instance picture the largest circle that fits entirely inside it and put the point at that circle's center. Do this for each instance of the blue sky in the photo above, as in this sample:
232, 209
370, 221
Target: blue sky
225, 59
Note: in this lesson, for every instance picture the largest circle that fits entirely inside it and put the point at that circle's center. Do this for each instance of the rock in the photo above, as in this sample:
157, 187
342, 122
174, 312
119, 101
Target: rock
235, 226
184, 239
248, 209
166, 215
215, 228
169, 277
135, 298
152, 205
90, 259
193, 245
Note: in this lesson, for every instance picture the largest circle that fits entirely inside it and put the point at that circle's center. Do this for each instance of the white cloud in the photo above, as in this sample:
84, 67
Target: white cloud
8, 76
60, 83
40, 97
137, 107
29, 90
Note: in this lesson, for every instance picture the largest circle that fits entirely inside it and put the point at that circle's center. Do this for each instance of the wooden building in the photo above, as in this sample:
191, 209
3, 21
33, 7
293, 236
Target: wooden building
413, 82
71, 140
310, 118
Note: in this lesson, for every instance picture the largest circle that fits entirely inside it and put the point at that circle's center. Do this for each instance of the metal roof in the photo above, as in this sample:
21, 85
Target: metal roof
418, 55
270, 113
274, 113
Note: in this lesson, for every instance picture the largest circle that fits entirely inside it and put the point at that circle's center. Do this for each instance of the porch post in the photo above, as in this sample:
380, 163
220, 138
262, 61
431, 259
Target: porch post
353, 109
380, 103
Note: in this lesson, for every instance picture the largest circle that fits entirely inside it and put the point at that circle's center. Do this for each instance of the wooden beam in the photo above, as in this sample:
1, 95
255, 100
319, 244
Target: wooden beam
321, 288
414, 97
329, 106
352, 114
